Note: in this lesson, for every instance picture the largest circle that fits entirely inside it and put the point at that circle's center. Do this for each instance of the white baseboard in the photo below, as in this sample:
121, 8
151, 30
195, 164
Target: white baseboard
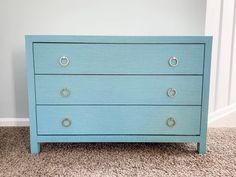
222, 113
24, 122
14, 122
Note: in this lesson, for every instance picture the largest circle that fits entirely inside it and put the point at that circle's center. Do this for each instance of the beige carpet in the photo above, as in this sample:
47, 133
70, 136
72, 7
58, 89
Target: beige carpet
111, 159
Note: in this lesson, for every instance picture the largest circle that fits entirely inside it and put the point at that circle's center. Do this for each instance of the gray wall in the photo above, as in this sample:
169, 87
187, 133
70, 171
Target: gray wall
82, 17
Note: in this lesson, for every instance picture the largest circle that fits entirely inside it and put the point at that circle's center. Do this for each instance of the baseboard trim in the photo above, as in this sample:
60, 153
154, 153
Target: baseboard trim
24, 122
222, 113
14, 122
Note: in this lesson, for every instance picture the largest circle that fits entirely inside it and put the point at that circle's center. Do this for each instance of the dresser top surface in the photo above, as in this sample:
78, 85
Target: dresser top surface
118, 39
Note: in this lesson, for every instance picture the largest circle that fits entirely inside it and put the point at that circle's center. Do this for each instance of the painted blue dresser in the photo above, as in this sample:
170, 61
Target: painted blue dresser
118, 89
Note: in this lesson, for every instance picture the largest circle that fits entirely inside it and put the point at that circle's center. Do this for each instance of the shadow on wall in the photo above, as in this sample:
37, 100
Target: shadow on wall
20, 82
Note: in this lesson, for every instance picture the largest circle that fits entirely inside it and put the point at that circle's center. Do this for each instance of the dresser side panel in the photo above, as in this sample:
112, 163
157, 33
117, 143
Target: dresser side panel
206, 88
31, 89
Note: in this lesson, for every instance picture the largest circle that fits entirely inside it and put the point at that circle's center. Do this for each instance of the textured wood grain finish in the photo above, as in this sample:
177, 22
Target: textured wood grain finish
112, 120
109, 89
102, 58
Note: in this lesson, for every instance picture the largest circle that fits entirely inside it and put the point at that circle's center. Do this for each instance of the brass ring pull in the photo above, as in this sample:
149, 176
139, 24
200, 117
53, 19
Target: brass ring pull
171, 122
173, 61
64, 61
65, 92
172, 92
66, 122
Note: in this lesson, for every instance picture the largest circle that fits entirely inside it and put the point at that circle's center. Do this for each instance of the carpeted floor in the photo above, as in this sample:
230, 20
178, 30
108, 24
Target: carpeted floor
117, 159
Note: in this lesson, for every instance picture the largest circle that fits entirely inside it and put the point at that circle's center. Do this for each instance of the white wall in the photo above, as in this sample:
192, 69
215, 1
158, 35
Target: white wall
103, 17
220, 22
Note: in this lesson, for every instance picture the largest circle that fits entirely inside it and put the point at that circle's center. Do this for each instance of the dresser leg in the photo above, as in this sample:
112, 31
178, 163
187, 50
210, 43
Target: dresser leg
201, 147
34, 147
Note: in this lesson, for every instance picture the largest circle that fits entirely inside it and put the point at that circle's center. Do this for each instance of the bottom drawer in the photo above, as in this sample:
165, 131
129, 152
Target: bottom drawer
118, 120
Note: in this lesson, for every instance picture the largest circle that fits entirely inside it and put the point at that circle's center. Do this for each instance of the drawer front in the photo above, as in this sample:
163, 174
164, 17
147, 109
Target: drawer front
95, 120
58, 58
123, 89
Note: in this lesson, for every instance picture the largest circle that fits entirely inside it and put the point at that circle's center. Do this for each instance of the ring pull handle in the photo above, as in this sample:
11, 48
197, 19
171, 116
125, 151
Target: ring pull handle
171, 92
171, 122
64, 61
66, 122
65, 92
173, 61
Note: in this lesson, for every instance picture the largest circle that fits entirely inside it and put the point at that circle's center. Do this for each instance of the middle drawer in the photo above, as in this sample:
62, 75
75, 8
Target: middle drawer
122, 89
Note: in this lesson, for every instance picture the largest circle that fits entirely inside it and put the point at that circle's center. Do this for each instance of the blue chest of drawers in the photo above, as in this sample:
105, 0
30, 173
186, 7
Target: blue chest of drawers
118, 89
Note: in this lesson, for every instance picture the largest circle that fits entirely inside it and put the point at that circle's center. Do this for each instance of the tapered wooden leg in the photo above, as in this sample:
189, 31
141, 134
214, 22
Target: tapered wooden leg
201, 147
34, 147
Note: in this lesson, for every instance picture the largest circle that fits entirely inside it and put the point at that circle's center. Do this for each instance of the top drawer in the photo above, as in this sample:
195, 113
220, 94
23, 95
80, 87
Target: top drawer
98, 58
